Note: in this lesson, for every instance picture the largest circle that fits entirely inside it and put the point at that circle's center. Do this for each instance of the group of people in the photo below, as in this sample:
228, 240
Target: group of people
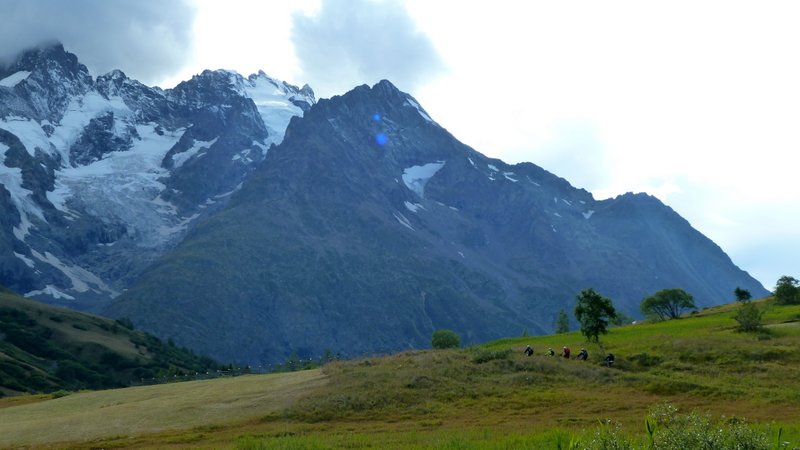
565, 353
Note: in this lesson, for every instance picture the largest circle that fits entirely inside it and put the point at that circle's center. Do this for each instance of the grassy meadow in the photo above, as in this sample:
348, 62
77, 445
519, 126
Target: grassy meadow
488, 396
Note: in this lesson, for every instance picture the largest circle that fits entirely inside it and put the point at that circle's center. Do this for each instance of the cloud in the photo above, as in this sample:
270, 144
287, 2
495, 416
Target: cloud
148, 40
352, 42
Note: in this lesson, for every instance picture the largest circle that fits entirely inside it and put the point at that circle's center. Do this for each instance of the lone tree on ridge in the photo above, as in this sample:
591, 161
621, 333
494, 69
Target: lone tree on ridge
593, 312
667, 304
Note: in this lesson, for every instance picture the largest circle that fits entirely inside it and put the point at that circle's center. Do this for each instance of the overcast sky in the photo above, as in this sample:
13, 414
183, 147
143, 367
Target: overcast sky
697, 103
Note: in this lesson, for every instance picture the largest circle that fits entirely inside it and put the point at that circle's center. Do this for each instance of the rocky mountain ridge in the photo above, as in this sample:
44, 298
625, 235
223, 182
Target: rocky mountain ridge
247, 221
104, 175
371, 226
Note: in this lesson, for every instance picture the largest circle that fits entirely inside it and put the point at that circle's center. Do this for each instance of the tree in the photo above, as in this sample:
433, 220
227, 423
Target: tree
787, 291
445, 339
742, 295
593, 312
667, 304
748, 316
562, 322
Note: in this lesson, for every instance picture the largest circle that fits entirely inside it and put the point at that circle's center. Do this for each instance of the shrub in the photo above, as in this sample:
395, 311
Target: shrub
749, 317
673, 431
445, 339
483, 356
668, 430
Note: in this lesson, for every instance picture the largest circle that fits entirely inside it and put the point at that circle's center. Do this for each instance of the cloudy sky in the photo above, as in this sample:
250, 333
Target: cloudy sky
697, 103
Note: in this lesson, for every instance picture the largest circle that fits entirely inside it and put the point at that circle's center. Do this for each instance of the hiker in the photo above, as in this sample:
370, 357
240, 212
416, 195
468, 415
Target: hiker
583, 355
529, 350
550, 352
609, 360
565, 352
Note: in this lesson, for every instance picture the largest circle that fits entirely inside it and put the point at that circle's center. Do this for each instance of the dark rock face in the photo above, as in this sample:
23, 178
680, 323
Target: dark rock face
370, 226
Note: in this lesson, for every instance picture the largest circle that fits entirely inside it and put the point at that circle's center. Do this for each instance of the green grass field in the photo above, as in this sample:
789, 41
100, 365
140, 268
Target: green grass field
489, 396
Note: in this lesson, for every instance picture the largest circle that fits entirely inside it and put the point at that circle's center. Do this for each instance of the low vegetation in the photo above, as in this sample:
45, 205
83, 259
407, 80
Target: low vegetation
46, 349
694, 382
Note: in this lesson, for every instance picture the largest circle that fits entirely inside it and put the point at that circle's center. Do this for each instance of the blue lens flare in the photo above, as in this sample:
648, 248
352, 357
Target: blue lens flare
381, 139
376, 117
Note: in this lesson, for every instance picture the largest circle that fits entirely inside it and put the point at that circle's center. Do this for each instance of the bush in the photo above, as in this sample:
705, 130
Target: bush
667, 430
673, 431
445, 339
749, 317
483, 356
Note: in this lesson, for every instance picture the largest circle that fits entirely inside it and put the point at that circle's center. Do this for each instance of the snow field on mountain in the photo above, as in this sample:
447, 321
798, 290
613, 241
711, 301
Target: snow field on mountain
11, 178
416, 177
272, 100
125, 186
14, 79
180, 158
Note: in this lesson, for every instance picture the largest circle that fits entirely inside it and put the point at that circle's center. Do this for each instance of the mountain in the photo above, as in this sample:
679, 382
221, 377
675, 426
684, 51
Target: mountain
99, 177
45, 348
370, 226
243, 219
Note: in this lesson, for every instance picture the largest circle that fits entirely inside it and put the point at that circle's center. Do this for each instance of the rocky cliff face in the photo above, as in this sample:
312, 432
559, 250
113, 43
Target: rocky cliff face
371, 226
102, 176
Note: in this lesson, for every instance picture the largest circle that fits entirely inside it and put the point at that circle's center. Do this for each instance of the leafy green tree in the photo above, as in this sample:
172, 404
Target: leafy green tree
667, 304
562, 322
593, 312
742, 295
749, 317
787, 291
445, 339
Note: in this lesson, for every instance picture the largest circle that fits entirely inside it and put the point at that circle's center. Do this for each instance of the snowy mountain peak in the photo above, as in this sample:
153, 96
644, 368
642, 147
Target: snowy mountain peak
92, 168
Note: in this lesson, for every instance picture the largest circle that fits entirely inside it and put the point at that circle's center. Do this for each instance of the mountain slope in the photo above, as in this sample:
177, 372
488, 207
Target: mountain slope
45, 348
489, 396
370, 226
98, 177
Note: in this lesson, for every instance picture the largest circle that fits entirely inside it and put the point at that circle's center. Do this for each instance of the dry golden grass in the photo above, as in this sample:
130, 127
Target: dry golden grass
152, 409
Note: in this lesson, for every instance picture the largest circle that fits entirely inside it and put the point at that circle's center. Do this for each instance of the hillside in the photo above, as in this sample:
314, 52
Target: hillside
489, 396
45, 348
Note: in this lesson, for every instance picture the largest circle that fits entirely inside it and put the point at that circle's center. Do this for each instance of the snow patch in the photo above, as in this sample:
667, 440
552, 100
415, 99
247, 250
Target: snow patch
180, 158
588, 214
11, 179
557, 214
413, 207
273, 102
462, 254
78, 276
492, 167
533, 182
28, 262
471, 162
509, 175
410, 102
14, 79
29, 132
403, 221
51, 291
416, 177
567, 202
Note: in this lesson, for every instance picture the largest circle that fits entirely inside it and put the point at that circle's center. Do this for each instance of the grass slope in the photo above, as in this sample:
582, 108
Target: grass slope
490, 396
44, 349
